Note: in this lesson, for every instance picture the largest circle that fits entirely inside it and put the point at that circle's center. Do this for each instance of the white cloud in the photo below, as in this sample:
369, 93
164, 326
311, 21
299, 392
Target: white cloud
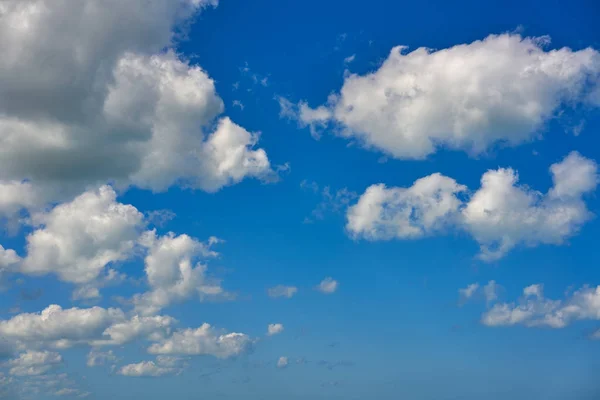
96, 358
274, 329
204, 340
426, 207
171, 274
34, 363
145, 368
349, 59
58, 327
503, 214
502, 89
282, 291
109, 104
78, 239
500, 215
469, 291
534, 310
327, 285
152, 327
282, 362
9, 260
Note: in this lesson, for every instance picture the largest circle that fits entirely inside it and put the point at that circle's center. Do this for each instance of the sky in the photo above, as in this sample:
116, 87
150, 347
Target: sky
225, 199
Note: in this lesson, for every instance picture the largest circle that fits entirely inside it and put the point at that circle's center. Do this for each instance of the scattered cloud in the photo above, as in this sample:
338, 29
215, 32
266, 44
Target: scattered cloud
204, 340
145, 368
282, 362
34, 363
274, 329
282, 291
500, 215
330, 202
327, 286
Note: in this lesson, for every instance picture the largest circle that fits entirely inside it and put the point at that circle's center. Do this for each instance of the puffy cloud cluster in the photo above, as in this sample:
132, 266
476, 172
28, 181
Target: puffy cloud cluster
34, 363
204, 340
500, 215
145, 368
56, 327
172, 274
533, 309
89, 95
502, 89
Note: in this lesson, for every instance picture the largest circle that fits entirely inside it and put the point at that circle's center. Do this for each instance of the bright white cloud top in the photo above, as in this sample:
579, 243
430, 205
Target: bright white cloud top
470, 97
500, 215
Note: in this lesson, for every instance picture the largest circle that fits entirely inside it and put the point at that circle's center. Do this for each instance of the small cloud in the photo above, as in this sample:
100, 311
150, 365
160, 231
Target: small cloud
327, 286
282, 362
274, 329
236, 85
282, 291
237, 103
349, 59
467, 293
160, 218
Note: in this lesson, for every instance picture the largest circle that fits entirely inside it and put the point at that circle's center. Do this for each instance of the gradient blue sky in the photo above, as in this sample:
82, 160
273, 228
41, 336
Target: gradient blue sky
396, 326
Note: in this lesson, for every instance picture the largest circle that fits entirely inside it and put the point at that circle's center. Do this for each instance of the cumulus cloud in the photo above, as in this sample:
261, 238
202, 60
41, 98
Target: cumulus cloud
426, 207
34, 363
204, 340
145, 368
282, 291
274, 329
78, 239
172, 274
327, 285
533, 309
500, 215
282, 362
56, 327
110, 104
502, 89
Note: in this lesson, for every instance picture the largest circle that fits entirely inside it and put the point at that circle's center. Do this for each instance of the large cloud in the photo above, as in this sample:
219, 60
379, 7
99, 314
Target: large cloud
500, 215
502, 89
89, 95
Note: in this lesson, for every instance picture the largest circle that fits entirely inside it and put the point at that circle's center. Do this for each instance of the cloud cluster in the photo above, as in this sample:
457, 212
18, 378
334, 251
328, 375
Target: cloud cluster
201, 341
91, 96
535, 310
500, 215
502, 89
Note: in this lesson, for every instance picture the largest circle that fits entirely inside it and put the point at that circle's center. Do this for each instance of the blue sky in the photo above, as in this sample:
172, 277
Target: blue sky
352, 221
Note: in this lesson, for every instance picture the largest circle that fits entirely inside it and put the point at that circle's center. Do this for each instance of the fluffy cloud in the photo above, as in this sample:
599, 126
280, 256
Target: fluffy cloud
327, 286
534, 310
34, 363
154, 328
204, 340
282, 291
500, 215
109, 104
469, 97
171, 273
59, 327
405, 213
274, 329
78, 239
282, 362
145, 368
